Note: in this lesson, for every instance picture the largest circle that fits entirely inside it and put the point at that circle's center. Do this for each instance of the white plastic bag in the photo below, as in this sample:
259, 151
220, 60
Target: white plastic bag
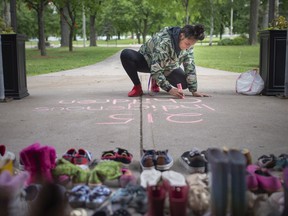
249, 83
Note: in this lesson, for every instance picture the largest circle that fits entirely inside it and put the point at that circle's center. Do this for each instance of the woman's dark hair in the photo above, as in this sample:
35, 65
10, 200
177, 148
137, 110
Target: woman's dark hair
194, 31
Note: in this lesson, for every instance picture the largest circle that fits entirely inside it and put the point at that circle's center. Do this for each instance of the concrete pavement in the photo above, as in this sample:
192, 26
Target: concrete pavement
88, 108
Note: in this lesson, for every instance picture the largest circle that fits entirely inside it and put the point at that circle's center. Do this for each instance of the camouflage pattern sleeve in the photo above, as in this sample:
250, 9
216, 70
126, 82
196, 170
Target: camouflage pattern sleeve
190, 70
160, 59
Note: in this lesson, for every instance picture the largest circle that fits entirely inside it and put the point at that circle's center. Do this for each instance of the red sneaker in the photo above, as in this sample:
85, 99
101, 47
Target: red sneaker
154, 86
83, 157
136, 91
70, 154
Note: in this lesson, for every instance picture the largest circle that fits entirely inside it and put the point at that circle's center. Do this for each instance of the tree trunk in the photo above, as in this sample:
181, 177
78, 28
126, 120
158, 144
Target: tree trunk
186, 5
271, 14
211, 23
13, 15
64, 27
71, 35
6, 12
41, 28
145, 29
253, 25
264, 22
93, 36
138, 38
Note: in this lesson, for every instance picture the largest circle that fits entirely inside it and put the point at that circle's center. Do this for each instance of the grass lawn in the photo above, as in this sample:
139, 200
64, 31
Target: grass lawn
228, 58
59, 59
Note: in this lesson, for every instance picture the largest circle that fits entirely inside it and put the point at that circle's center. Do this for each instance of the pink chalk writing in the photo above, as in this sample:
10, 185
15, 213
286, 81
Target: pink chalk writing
121, 111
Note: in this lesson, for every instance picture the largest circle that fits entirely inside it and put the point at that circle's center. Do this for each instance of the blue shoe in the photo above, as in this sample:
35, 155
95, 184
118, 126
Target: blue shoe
140, 200
78, 196
164, 160
120, 199
97, 196
148, 159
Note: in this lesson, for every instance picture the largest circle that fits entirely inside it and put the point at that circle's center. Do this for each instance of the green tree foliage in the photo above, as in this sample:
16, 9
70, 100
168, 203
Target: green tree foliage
39, 7
51, 19
241, 16
93, 9
26, 17
283, 8
74, 8
142, 17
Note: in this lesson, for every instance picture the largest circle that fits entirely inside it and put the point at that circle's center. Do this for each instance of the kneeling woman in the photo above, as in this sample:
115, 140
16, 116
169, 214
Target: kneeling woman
161, 56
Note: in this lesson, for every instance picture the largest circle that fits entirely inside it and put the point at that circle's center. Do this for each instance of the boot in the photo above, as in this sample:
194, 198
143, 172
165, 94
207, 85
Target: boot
154, 87
178, 198
136, 91
237, 163
219, 167
28, 156
46, 157
156, 200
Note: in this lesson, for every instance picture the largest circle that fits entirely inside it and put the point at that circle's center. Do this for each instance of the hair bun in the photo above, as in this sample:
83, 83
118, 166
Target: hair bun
199, 31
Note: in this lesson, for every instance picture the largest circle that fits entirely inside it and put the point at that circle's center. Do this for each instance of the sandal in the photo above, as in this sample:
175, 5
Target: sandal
108, 155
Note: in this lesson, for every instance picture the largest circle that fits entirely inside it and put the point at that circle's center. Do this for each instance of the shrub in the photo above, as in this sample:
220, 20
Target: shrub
240, 40
225, 42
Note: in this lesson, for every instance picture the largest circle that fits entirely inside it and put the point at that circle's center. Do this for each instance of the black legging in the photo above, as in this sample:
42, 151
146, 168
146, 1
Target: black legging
134, 62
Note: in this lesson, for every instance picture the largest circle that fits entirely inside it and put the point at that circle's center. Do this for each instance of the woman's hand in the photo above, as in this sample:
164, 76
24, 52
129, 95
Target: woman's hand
198, 94
176, 93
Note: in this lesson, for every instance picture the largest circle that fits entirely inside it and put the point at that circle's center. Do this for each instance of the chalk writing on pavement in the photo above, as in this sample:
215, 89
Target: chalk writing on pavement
124, 111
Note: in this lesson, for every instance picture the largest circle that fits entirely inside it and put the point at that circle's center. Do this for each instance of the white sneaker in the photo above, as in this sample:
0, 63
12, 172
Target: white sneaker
150, 177
174, 178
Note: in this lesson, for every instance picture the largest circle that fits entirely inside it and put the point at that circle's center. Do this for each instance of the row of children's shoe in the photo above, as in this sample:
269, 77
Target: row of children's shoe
73, 167
156, 193
236, 186
232, 174
227, 168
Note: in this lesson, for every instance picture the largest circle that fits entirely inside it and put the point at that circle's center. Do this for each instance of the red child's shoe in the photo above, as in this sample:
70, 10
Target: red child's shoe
136, 91
154, 87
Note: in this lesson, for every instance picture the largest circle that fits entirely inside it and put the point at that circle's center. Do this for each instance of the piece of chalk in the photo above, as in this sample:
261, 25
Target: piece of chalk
179, 86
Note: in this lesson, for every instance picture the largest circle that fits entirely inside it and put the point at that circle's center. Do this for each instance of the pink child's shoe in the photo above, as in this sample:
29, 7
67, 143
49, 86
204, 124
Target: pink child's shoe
251, 181
47, 157
38, 161
266, 180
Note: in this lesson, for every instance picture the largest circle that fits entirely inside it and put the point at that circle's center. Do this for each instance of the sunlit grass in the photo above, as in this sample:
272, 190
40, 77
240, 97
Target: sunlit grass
228, 58
59, 59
